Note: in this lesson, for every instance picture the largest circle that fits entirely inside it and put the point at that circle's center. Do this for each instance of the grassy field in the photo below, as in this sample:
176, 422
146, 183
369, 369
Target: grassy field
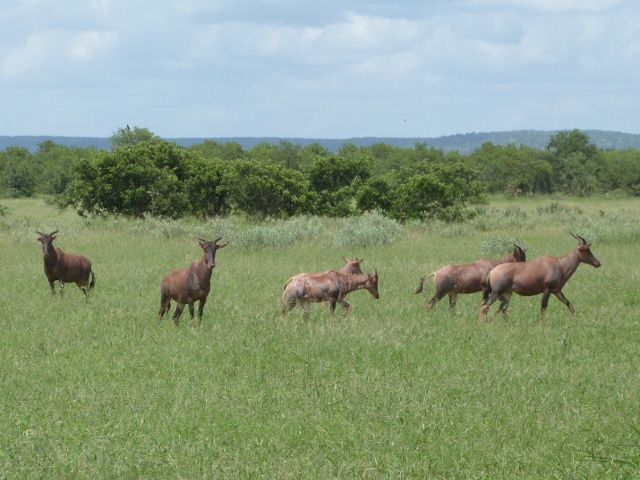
99, 389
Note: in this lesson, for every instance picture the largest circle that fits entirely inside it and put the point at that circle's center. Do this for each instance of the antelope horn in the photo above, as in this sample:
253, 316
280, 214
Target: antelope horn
578, 237
40, 233
216, 240
54, 232
200, 239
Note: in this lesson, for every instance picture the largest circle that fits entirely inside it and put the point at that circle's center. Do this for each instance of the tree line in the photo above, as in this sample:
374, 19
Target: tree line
142, 174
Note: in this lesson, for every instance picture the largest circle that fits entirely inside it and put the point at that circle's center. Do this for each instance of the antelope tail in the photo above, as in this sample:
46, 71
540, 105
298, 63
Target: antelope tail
419, 289
93, 281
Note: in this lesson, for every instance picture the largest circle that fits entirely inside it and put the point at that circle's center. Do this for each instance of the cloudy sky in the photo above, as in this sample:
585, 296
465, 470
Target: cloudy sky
323, 69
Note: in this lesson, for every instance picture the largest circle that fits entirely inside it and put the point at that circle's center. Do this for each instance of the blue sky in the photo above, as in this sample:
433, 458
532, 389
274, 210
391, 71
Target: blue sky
326, 69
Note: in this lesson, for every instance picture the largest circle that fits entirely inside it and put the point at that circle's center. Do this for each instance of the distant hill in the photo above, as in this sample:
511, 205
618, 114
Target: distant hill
464, 143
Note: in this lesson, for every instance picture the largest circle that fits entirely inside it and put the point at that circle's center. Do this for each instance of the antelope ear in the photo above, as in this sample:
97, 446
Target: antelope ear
222, 245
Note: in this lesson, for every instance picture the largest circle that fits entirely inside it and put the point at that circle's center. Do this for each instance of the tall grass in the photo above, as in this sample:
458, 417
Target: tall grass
98, 389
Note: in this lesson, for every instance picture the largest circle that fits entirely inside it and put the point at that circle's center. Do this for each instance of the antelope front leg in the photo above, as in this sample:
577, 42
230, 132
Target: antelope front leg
177, 313
52, 286
200, 309
61, 288
560, 296
332, 306
346, 306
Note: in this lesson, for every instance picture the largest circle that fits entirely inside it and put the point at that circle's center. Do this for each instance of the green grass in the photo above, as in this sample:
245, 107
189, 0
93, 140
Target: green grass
100, 390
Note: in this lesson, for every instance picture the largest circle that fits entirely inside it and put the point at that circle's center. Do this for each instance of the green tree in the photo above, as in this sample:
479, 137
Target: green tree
576, 162
147, 178
54, 164
207, 187
127, 137
437, 191
335, 180
265, 189
374, 194
19, 172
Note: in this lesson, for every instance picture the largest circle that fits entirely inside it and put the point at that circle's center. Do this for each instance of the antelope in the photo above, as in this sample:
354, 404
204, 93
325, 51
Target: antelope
191, 284
467, 278
332, 286
65, 267
351, 266
544, 275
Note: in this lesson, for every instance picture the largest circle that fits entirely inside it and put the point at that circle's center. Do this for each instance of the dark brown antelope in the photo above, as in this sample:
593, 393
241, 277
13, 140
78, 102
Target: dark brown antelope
332, 286
544, 275
351, 266
65, 267
467, 278
191, 284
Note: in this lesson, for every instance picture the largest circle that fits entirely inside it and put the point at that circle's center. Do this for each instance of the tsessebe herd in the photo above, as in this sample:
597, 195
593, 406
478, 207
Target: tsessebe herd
496, 279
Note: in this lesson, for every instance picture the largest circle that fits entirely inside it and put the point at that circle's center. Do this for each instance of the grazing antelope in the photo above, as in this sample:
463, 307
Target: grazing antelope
332, 286
467, 278
544, 275
65, 267
191, 284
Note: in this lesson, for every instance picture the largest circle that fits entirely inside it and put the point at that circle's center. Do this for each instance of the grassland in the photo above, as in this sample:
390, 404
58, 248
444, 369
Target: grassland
101, 390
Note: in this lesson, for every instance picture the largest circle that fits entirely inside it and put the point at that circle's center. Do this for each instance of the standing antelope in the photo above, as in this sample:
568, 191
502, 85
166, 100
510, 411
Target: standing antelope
545, 275
65, 267
467, 278
190, 284
331, 286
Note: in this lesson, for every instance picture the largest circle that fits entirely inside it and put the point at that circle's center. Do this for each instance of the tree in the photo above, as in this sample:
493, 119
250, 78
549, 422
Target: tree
438, 191
147, 178
19, 172
265, 189
335, 180
566, 143
127, 137
374, 195
576, 162
207, 187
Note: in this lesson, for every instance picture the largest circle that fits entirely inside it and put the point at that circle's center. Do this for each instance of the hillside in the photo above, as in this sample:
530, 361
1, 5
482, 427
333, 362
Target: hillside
464, 143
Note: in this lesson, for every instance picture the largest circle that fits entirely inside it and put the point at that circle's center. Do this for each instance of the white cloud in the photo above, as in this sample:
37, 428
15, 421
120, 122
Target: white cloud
86, 45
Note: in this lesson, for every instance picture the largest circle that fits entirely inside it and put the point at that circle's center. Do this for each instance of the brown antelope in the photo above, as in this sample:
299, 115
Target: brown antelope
332, 286
467, 278
544, 275
191, 284
351, 266
65, 267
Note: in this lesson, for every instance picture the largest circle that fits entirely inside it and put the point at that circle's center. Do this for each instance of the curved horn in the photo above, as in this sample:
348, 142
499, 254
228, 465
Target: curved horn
578, 237
54, 232
40, 233
216, 240
200, 239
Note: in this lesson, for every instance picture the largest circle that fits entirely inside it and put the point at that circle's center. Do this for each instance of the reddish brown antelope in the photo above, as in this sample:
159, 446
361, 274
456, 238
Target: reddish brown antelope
467, 278
332, 286
351, 266
544, 275
191, 284
65, 267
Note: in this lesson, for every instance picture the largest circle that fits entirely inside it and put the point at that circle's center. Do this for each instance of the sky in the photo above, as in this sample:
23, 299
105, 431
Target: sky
321, 69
